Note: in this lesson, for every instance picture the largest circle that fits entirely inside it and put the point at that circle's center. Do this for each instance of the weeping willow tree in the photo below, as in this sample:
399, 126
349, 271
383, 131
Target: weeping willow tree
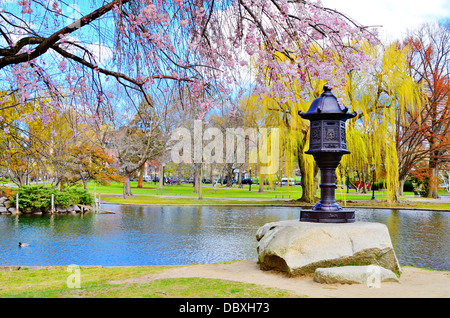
293, 134
272, 111
383, 98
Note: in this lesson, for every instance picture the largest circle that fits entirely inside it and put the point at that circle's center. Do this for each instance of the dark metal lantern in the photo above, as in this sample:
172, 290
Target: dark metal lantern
328, 143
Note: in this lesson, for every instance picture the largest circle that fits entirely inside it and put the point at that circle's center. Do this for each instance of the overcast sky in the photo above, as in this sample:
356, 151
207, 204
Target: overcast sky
396, 16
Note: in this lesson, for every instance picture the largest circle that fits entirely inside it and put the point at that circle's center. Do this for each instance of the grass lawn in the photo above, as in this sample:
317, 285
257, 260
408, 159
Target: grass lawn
188, 190
184, 194
95, 282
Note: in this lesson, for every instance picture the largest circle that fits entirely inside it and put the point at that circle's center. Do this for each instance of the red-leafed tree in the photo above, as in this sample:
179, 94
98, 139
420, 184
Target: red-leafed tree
428, 132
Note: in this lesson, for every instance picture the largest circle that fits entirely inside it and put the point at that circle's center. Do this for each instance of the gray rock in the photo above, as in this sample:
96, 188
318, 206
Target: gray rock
60, 209
8, 204
27, 210
370, 275
299, 248
3, 210
14, 212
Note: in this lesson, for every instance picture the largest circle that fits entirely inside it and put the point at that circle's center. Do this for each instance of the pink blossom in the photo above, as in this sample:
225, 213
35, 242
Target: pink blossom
184, 22
63, 66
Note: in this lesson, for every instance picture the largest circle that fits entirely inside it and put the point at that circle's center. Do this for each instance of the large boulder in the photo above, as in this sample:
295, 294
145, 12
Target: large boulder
298, 248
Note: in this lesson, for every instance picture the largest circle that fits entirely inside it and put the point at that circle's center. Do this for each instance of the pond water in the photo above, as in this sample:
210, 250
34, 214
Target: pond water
175, 235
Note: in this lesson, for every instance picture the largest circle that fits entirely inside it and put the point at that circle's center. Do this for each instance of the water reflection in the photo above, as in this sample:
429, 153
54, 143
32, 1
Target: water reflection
173, 235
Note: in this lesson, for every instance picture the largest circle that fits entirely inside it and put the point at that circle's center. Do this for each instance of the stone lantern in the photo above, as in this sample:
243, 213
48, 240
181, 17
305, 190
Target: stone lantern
338, 240
328, 143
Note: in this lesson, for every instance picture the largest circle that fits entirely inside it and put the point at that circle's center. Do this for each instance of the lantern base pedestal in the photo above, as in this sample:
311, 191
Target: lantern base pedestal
317, 216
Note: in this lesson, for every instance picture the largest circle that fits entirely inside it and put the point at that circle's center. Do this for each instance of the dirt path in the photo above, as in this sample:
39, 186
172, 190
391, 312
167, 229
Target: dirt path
414, 282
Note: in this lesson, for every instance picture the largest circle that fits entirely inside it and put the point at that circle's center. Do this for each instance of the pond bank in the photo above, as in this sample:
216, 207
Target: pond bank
414, 282
442, 205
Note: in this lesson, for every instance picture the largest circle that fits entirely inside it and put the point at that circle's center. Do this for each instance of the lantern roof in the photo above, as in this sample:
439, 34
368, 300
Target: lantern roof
326, 106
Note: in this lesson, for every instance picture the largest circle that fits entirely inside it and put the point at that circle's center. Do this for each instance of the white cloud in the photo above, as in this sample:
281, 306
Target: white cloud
396, 16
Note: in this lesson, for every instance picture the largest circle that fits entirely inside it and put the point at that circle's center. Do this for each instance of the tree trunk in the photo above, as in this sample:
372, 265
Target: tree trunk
261, 182
432, 189
358, 187
399, 191
211, 175
448, 180
222, 177
141, 177
307, 191
401, 184
240, 179
161, 177
195, 179
200, 177
127, 187
179, 174
230, 175
364, 181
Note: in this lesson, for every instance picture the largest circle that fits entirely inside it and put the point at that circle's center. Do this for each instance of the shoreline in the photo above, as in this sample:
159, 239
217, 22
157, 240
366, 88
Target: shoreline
287, 204
10, 268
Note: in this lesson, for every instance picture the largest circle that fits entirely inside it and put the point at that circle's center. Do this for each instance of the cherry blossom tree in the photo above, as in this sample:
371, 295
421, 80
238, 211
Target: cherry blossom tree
57, 49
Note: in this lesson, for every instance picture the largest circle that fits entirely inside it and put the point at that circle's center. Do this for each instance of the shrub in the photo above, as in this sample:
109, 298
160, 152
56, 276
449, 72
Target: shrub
81, 196
40, 197
408, 186
378, 185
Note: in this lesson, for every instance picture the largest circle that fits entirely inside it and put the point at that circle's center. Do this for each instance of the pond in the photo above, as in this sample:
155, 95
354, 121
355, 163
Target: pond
175, 235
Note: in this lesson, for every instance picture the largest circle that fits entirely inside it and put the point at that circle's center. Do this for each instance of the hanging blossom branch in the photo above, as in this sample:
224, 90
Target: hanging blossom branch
139, 84
204, 44
10, 55
289, 43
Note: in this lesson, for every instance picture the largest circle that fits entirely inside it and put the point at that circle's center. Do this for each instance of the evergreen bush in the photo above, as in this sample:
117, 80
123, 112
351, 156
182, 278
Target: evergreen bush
40, 197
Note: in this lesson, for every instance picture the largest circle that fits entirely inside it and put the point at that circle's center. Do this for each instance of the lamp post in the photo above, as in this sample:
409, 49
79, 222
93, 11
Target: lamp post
328, 143
373, 181
348, 181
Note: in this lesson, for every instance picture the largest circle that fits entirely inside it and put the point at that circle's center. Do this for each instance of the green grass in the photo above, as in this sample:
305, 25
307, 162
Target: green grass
188, 190
184, 195
149, 188
96, 283
155, 200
